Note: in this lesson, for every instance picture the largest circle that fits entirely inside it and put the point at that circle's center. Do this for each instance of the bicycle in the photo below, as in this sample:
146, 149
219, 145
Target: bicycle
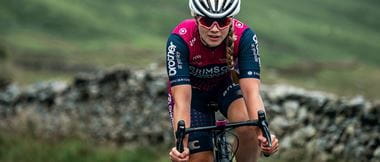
221, 151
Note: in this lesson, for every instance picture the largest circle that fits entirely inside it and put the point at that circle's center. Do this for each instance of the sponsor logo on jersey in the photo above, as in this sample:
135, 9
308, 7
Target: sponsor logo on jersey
255, 50
239, 24
208, 72
193, 145
171, 59
179, 60
182, 31
193, 41
196, 58
229, 88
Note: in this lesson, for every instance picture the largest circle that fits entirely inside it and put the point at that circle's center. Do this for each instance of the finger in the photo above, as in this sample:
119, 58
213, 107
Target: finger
185, 154
271, 150
274, 139
262, 139
275, 144
173, 158
175, 155
178, 159
175, 152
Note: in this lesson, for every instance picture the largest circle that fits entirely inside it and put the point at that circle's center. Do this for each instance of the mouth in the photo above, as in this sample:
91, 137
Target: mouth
214, 37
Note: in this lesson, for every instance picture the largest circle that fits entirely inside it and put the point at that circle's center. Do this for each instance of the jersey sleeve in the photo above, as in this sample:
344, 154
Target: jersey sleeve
177, 61
248, 56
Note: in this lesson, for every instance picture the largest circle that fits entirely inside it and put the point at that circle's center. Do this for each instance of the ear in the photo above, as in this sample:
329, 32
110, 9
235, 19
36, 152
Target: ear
196, 19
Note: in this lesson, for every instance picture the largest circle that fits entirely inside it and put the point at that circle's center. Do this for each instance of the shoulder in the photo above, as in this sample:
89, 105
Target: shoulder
186, 30
242, 34
239, 27
243, 29
186, 27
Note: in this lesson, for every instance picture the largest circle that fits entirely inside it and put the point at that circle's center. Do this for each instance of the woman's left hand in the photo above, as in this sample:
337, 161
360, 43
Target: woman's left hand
263, 143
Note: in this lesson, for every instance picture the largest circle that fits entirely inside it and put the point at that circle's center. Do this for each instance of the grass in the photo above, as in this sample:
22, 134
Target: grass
24, 147
21, 148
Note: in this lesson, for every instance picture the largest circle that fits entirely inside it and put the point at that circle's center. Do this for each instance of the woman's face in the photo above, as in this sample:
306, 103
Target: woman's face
213, 31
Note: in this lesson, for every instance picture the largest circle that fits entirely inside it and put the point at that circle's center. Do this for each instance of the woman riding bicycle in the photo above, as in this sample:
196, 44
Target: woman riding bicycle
214, 58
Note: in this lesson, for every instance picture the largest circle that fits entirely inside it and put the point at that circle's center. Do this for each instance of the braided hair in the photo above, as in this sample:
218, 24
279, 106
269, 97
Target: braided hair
230, 54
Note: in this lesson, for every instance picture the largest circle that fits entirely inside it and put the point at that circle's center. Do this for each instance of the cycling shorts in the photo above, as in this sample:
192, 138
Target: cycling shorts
204, 115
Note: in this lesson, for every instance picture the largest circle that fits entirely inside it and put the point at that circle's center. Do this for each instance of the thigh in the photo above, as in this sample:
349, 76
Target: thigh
228, 96
205, 156
237, 111
200, 116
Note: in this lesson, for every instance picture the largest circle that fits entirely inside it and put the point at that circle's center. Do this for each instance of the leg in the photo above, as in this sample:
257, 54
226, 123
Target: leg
233, 107
248, 144
200, 143
205, 156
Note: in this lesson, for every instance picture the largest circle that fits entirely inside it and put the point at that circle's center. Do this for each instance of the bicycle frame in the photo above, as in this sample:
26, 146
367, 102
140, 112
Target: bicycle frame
220, 140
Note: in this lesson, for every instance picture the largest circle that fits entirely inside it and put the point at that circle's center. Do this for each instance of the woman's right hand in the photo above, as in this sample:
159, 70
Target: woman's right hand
176, 156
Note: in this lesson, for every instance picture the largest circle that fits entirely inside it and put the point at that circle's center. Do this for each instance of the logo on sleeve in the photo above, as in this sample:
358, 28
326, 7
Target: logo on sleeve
171, 59
255, 50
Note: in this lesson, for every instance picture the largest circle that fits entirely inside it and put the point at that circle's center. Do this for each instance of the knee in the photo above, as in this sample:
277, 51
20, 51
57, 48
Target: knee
246, 132
206, 156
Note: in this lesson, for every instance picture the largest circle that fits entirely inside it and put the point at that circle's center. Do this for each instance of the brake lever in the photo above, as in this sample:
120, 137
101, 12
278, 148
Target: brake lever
180, 134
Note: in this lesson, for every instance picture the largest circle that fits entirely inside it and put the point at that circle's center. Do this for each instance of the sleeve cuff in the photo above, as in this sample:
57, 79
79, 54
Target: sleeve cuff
249, 74
179, 81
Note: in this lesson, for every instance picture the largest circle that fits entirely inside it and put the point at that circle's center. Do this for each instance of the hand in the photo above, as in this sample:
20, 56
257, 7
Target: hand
176, 156
263, 143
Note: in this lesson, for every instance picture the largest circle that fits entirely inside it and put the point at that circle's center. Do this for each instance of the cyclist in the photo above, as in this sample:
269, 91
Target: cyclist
215, 57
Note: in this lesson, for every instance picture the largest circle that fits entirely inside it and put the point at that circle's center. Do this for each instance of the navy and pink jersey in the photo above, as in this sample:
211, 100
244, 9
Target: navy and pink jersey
190, 62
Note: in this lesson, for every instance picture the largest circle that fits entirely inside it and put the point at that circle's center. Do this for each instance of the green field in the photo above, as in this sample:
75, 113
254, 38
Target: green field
325, 45
26, 148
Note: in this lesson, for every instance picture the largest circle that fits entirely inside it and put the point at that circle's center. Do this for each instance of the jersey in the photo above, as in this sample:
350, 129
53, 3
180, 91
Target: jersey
189, 61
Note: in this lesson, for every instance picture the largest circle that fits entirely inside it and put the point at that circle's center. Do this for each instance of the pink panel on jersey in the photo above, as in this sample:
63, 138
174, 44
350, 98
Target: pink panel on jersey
201, 55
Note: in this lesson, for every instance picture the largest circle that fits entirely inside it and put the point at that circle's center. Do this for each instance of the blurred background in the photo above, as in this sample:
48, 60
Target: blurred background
325, 45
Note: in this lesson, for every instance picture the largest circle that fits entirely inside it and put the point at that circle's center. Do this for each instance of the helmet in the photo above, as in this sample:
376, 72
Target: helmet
214, 8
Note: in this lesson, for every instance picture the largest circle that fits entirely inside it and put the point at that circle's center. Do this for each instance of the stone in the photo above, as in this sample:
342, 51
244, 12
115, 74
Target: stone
291, 108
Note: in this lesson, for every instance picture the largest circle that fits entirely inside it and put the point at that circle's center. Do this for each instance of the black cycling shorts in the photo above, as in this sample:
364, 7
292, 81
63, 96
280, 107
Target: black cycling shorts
203, 115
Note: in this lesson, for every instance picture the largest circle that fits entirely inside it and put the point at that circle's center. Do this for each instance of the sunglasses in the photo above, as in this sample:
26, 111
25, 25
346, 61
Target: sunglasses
208, 23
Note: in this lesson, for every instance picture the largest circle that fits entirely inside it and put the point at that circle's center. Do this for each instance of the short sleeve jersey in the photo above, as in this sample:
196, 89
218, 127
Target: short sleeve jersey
189, 61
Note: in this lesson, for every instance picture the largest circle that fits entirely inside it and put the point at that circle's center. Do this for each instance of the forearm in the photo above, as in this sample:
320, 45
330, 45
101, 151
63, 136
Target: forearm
251, 93
182, 101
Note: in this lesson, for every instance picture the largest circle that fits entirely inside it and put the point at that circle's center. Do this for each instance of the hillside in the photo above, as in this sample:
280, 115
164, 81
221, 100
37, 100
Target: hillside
328, 45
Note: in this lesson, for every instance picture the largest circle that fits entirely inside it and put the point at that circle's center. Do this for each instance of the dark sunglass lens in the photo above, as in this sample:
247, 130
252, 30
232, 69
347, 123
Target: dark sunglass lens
206, 21
223, 22
209, 22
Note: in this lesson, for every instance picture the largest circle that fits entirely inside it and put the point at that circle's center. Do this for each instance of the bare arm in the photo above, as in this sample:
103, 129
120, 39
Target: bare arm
182, 101
251, 92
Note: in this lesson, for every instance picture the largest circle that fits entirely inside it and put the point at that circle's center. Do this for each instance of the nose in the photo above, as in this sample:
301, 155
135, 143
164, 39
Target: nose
214, 28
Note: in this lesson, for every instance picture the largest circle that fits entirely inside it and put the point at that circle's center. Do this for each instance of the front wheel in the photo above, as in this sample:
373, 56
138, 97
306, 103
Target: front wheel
222, 150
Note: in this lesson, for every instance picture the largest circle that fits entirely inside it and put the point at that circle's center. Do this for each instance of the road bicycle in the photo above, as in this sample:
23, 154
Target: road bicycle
222, 148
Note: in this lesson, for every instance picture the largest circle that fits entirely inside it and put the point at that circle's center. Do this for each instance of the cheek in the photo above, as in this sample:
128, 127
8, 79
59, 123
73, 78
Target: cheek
225, 34
202, 32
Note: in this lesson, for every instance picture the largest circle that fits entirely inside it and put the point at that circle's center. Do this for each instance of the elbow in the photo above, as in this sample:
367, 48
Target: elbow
250, 86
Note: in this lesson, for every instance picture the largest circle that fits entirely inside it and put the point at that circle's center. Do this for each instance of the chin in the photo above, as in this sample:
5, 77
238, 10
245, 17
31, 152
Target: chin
213, 44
